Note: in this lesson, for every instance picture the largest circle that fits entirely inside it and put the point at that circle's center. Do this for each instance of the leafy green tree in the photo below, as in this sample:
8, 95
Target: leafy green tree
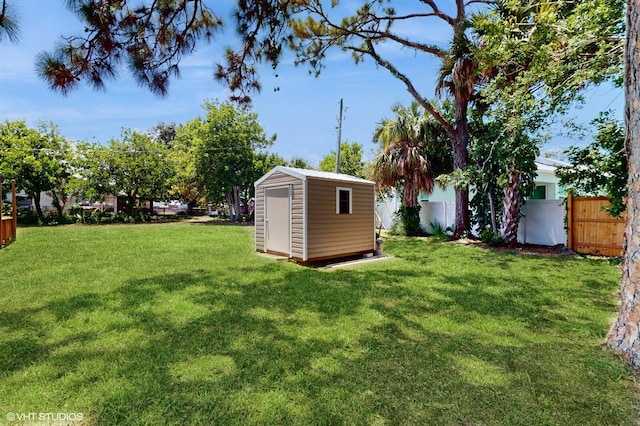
185, 186
152, 39
553, 48
164, 133
411, 156
226, 143
351, 162
136, 166
503, 172
600, 167
263, 162
300, 163
536, 59
38, 159
528, 45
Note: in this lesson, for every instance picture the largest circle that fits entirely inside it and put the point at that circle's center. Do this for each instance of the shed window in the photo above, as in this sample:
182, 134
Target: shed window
343, 200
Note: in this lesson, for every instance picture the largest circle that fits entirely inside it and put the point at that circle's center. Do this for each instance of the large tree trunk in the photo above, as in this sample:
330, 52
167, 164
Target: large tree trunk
58, 202
511, 210
231, 204
460, 161
131, 198
236, 201
36, 202
624, 336
190, 206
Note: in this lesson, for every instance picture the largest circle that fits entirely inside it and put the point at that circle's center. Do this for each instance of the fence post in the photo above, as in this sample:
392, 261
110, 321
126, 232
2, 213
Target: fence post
569, 220
14, 208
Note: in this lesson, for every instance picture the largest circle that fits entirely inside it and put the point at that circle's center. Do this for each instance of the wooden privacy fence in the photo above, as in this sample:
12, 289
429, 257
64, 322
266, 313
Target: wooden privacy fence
590, 229
8, 225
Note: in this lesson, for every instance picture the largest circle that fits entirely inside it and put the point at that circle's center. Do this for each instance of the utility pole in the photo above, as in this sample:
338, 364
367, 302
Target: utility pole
339, 139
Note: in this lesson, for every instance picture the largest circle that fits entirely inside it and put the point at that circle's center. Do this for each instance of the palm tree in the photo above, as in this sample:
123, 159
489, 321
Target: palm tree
459, 75
404, 160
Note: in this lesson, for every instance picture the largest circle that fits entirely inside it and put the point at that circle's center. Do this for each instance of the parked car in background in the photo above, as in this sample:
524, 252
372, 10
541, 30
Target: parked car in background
170, 208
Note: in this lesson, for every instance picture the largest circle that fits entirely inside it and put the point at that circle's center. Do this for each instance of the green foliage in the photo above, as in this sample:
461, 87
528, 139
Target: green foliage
496, 151
222, 155
151, 39
490, 237
7, 208
264, 162
536, 59
165, 133
600, 167
300, 163
541, 55
438, 231
185, 186
350, 160
414, 150
38, 159
137, 166
407, 221
190, 155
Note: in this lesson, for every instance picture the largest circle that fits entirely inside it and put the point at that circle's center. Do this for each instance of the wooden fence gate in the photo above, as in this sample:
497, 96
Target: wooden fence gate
590, 229
8, 225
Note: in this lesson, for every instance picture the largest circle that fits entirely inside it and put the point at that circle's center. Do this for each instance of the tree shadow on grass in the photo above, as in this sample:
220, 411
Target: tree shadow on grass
280, 344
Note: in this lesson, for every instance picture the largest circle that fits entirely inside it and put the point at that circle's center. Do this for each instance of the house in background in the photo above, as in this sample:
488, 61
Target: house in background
547, 183
309, 215
26, 204
544, 212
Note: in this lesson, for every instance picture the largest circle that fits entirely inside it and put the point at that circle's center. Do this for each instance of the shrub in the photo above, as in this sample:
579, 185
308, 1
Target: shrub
489, 237
438, 230
407, 222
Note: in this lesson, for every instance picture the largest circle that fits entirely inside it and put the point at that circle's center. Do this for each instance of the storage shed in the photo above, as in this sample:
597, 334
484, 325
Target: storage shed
310, 215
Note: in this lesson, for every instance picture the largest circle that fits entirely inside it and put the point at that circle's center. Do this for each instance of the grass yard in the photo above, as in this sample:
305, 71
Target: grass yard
185, 324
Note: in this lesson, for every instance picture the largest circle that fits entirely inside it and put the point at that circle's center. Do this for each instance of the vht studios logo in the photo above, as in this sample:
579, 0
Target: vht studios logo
45, 417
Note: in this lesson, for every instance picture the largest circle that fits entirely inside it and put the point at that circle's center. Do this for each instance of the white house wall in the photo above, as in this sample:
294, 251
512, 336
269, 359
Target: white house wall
440, 194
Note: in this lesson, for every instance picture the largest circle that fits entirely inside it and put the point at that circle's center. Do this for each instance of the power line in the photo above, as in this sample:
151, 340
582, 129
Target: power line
132, 151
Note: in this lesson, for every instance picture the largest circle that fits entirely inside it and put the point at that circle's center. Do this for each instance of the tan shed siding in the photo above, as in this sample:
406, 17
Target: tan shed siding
259, 218
297, 229
331, 234
279, 179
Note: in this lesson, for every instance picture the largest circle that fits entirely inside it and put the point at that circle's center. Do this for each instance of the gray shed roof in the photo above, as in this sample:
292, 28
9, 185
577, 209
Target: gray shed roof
304, 174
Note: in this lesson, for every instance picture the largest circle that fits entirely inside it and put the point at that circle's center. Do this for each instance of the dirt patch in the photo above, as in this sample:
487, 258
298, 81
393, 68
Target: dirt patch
535, 249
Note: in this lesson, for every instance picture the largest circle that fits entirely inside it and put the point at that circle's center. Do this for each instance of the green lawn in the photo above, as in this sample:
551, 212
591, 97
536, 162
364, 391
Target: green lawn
185, 324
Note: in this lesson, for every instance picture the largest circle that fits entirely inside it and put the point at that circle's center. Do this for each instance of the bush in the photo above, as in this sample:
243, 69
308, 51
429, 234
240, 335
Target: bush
439, 231
27, 219
407, 222
489, 237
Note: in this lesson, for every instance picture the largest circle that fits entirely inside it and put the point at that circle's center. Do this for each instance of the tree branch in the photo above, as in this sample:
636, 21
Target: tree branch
410, 88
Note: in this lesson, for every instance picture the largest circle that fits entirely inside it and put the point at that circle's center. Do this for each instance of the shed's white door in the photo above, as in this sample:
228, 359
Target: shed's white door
277, 216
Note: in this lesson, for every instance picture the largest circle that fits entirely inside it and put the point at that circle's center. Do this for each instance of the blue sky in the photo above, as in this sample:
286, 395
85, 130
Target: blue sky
303, 113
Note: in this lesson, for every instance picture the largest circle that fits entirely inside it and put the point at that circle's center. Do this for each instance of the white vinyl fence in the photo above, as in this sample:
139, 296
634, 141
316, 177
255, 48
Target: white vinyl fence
440, 212
543, 222
385, 209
